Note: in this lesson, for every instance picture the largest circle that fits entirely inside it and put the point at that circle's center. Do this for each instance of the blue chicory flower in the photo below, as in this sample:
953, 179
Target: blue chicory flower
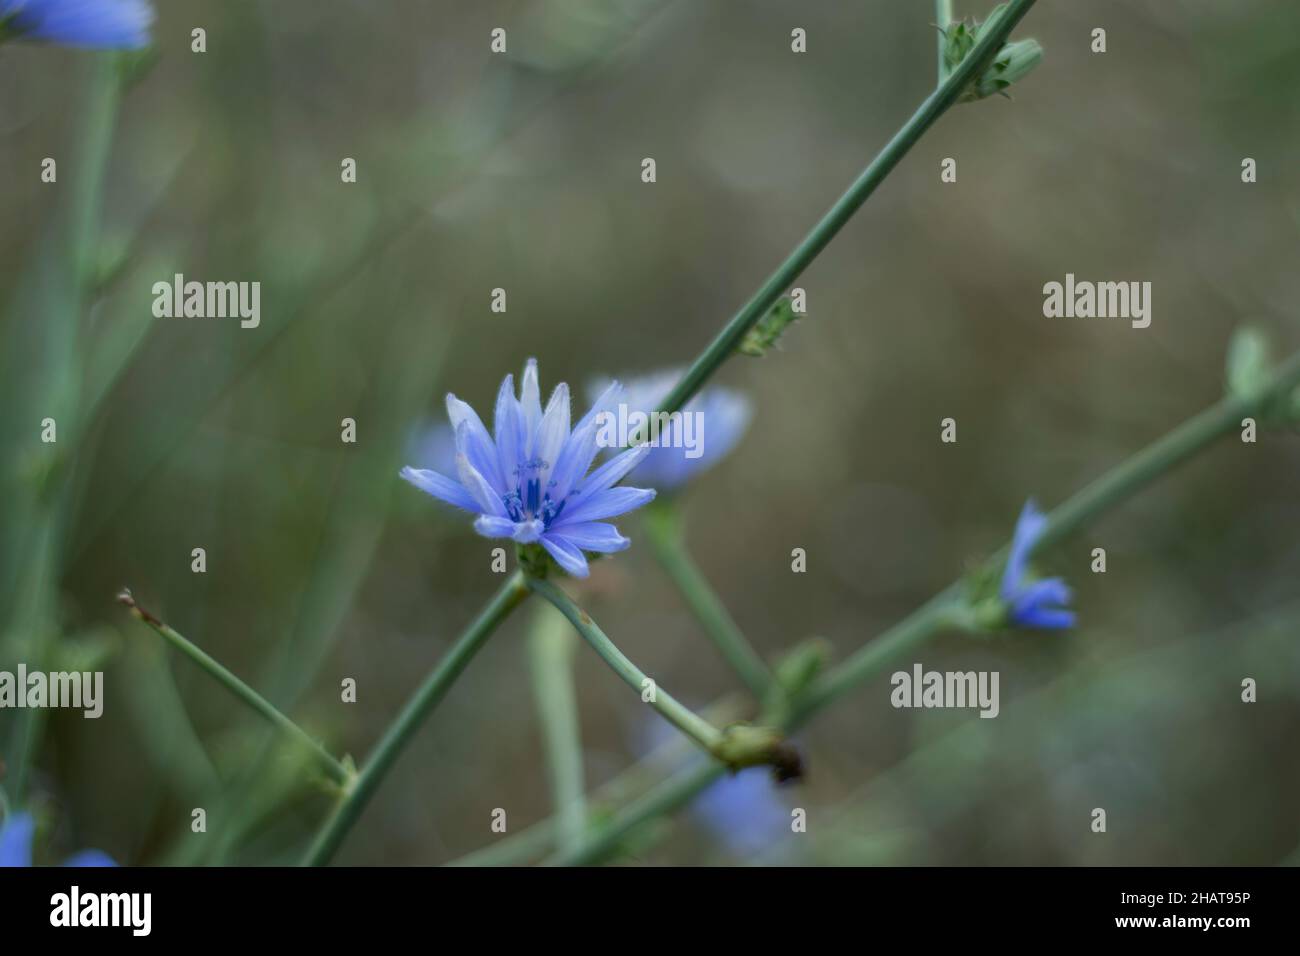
1029, 603
530, 482
99, 24
16, 845
723, 415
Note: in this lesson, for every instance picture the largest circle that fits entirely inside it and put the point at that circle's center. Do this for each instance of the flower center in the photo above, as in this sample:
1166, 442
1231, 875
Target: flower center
528, 502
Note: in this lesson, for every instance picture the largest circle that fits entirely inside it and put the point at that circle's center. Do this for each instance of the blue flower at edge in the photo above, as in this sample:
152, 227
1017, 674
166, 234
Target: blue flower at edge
16, 846
1039, 604
99, 24
529, 483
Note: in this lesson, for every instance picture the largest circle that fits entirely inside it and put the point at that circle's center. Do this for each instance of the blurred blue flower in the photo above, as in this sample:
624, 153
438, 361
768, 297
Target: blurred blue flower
530, 484
1029, 603
744, 812
100, 24
723, 415
16, 845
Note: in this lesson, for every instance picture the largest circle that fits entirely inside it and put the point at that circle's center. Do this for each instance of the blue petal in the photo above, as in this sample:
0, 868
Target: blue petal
614, 469
568, 556
574, 459
473, 441
90, 858
1047, 591
492, 527
440, 486
106, 24
553, 432
509, 425
1045, 618
595, 536
1029, 528
530, 404
489, 500
604, 504
16, 840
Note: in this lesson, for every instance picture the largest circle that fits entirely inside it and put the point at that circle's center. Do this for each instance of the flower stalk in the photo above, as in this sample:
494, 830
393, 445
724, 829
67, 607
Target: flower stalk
663, 530
736, 747
934, 106
429, 694
550, 649
336, 770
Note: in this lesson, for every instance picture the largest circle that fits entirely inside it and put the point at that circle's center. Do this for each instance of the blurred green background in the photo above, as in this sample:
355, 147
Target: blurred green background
522, 171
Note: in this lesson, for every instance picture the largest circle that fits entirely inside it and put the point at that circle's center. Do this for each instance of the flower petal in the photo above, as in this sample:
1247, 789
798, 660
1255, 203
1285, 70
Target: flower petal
1046, 618
90, 858
604, 504
530, 404
440, 486
492, 527
1029, 528
509, 425
16, 840
598, 536
489, 501
552, 434
614, 469
568, 556
474, 442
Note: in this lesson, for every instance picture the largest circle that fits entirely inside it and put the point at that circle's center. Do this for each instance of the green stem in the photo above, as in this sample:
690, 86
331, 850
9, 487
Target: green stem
510, 595
551, 646
663, 530
683, 718
874, 658
942, 18
935, 105
333, 767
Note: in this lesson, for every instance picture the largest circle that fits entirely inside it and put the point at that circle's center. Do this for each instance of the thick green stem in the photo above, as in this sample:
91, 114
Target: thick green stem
510, 595
709, 738
259, 704
550, 646
663, 530
933, 617
935, 105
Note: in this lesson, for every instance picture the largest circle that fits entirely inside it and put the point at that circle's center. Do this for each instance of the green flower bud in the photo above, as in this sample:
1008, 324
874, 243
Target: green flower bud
1248, 362
1012, 62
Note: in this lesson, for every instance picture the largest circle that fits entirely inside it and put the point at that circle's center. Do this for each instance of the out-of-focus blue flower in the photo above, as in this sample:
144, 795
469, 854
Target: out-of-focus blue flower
530, 483
1033, 603
99, 24
722, 415
744, 812
16, 845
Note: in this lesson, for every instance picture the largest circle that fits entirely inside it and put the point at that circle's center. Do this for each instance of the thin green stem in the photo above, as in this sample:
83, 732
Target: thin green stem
942, 18
510, 595
935, 105
931, 618
550, 646
255, 701
683, 718
663, 531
